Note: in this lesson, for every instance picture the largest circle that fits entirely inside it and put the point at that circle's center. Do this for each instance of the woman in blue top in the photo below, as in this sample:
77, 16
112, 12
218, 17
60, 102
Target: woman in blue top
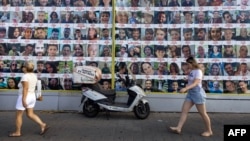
195, 96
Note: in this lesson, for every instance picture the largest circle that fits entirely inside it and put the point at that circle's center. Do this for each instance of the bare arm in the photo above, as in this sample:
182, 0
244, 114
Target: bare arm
194, 84
25, 85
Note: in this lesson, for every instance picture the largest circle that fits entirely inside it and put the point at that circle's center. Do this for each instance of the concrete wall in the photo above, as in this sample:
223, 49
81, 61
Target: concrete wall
62, 101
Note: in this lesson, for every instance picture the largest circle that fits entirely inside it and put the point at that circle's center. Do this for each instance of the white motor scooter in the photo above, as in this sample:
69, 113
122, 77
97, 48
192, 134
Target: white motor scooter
95, 99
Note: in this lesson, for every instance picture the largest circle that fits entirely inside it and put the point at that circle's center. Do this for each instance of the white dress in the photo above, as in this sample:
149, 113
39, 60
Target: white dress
31, 97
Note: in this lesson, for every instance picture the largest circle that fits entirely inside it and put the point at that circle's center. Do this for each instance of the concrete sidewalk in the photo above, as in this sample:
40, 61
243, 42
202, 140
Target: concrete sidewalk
74, 126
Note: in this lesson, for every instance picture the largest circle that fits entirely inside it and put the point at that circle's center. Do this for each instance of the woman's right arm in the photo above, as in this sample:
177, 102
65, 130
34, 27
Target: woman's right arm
25, 85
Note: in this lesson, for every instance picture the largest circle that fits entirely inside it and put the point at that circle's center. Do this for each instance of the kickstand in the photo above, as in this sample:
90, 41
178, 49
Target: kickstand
107, 114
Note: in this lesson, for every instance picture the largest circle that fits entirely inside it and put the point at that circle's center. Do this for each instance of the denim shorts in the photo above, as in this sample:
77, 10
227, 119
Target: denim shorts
196, 95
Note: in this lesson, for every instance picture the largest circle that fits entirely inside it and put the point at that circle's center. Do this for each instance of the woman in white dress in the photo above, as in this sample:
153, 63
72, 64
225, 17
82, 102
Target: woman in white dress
27, 99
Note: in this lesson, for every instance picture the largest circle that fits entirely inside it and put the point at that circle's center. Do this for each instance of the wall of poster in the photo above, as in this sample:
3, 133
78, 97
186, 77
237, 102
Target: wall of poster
151, 37
154, 38
57, 36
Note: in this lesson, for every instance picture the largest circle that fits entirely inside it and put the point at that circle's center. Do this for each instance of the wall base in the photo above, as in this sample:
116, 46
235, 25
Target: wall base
62, 101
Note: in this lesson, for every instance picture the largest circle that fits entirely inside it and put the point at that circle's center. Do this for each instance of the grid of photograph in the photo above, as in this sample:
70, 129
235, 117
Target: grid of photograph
58, 36
152, 38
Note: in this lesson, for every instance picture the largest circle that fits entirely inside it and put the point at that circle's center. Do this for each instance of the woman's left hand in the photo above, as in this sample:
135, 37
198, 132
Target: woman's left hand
24, 104
183, 90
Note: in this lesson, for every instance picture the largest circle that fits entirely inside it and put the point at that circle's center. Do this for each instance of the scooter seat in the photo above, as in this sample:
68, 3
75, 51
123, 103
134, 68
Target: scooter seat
97, 87
110, 94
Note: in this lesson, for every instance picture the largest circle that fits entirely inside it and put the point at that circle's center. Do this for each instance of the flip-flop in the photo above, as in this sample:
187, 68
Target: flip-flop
14, 135
204, 134
174, 130
46, 128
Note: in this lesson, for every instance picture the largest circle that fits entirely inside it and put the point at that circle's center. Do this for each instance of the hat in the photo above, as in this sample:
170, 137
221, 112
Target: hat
149, 12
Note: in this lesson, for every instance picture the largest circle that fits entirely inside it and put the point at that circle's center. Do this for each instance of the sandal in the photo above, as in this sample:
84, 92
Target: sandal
14, 135
206, 134
174, 130
46, 128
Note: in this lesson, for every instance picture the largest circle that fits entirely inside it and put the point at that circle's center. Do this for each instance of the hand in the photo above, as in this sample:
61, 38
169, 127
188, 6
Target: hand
183, 90
24, 104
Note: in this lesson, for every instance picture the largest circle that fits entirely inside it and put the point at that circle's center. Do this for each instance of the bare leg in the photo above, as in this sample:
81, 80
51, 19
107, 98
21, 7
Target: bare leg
203, 112
30, 114
187, 105
19, 122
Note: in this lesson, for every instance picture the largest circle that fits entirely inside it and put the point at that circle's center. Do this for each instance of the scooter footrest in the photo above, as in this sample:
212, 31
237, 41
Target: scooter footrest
107, 102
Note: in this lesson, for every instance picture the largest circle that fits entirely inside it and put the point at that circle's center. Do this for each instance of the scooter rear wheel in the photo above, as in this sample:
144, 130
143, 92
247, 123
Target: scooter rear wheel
90, 109
142, 110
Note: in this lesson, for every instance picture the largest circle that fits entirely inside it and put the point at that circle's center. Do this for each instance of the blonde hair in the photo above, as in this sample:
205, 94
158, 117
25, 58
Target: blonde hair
192, 61
29, 65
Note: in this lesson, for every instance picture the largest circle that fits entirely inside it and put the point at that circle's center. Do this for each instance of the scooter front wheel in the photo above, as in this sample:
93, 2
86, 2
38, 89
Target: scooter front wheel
90, 109
142, 110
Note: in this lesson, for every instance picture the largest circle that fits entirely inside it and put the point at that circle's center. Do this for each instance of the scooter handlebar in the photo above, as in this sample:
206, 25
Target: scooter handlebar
126, 81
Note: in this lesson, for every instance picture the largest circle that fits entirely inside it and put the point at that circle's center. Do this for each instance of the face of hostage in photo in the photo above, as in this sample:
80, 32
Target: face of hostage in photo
55, 35
52, 50
40, 66
229, 69
160, 35
148, 85
201, 35
230, 86
16, 33
104, 18
228, 49
106, 85
243, 52
162, 18
215, 34
228, 34
92, 33
201, 50
67, 83
28, 33
148, 70
147, 51
243, 86
92, 50
11, 83
148, 18
215, 70
78, 50
39, 49
175, 86
53, 82
41, 16
122, 17
106, 51
188, 36
175, 35
66, 51
2, 34
122, 33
